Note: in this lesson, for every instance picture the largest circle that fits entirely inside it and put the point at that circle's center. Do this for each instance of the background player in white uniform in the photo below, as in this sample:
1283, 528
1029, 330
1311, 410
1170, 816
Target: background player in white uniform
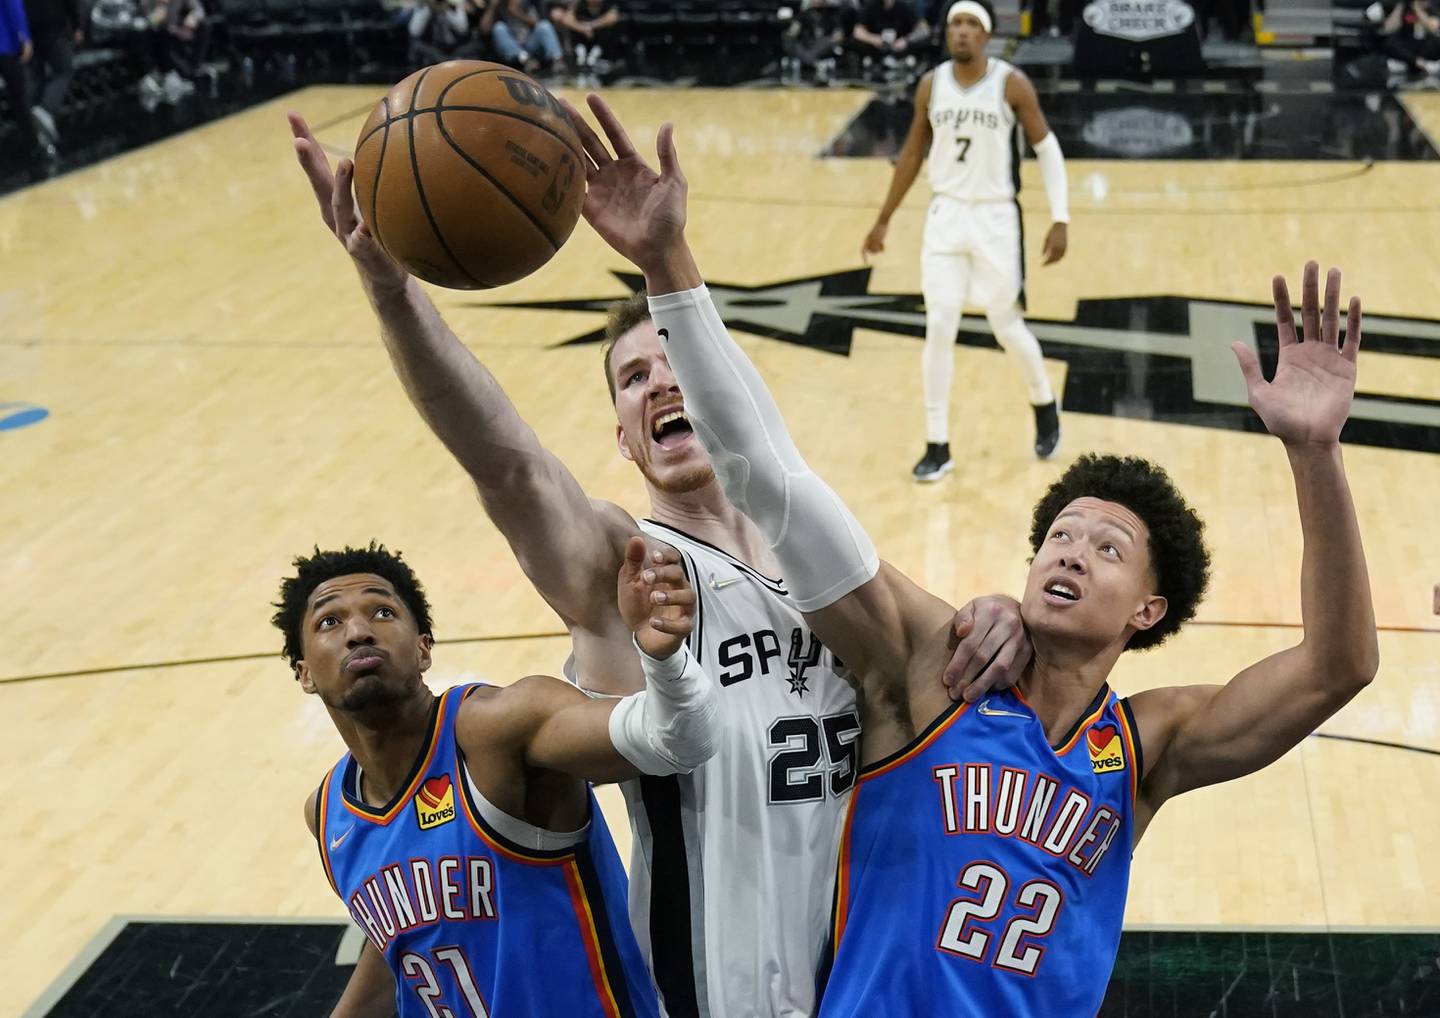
973, 249
733, 868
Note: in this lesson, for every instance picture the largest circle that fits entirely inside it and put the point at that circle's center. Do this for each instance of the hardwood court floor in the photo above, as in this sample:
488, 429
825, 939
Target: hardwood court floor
219, 402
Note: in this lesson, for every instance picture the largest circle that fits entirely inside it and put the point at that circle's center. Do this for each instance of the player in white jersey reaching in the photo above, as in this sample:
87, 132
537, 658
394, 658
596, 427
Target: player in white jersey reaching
973, 252
733, 867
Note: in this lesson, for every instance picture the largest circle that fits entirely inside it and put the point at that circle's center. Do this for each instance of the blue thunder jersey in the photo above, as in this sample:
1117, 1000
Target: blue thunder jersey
472, 923
983, 872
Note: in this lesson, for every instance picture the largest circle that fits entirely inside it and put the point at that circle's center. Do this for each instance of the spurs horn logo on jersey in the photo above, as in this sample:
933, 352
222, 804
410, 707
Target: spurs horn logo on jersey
435, 802
1106, 750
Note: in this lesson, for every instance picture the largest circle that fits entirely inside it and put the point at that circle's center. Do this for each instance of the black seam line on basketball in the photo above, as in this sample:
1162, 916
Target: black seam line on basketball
463, 77
263, 656
496, 111
1383, 743
420, 184
440, 123
379, 169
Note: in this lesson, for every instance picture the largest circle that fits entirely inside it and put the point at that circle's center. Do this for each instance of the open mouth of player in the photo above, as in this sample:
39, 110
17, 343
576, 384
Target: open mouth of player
1061, 593
671, 430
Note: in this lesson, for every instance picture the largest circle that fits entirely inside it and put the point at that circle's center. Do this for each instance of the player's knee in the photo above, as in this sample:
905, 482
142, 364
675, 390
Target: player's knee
1005, 320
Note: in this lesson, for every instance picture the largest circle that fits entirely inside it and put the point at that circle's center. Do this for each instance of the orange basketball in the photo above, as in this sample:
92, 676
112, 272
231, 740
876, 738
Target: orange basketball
469, 174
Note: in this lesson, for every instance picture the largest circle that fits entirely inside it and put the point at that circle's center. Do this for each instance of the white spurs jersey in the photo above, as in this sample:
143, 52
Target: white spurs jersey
975, 145
732, 872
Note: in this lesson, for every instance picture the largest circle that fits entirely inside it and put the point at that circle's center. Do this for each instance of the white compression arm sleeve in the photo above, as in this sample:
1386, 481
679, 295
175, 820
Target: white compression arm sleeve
673, 725
823, 552
1052, 172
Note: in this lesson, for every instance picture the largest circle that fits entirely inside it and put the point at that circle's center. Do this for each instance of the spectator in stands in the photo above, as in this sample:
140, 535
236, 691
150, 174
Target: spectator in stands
438, 28
523, 35
887, 32
15, 52
1410, 36
594, 26
180, 41
55, 31
816, 37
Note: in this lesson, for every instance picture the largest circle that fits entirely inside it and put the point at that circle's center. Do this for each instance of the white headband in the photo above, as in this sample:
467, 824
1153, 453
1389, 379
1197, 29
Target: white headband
970, 7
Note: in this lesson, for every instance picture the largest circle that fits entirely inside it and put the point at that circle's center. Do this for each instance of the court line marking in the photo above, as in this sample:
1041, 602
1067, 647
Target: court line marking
511, 637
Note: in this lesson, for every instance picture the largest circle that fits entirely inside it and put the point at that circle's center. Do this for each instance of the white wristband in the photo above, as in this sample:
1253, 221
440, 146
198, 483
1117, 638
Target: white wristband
672, 726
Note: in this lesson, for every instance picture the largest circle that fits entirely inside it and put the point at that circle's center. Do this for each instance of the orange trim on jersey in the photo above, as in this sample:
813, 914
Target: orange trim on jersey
320, 832
507, 851
1131, 760
403, 799
842, 877
919, 746
591, 938
1084, 727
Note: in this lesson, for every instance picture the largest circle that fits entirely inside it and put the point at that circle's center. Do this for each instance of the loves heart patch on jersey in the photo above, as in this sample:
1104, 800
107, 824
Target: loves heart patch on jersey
435, 802
1107, 751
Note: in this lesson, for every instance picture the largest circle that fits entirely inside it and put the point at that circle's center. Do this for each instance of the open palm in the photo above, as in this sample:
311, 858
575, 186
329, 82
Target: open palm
637, 211
1309, 399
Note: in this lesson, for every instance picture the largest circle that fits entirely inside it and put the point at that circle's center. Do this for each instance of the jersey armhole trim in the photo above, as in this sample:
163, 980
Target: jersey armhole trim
1137, 753
931, 732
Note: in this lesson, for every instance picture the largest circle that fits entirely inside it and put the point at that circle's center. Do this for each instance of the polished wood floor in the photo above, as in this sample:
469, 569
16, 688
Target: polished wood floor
219, 401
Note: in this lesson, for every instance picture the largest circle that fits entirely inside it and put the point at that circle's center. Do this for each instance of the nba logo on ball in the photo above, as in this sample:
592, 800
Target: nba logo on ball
1105, 749
435, 802
20, 415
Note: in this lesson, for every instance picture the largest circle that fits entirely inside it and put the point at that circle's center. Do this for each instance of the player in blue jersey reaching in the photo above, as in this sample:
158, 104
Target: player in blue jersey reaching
459, 829
985, 857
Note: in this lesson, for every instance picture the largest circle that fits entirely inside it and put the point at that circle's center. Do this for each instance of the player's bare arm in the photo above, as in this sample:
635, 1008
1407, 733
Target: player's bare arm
370, 993
1203, 735
544, 724
895, 637
907, 168
1020, 94
568, 546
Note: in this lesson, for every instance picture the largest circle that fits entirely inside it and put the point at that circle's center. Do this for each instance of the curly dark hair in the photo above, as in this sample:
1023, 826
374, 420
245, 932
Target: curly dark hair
1177, 535
295, 590
620, 318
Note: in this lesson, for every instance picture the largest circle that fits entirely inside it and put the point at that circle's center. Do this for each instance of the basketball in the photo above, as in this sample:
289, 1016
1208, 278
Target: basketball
469, 174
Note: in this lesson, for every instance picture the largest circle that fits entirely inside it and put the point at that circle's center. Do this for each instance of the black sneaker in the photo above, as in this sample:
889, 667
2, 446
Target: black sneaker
1047, 429
935, 464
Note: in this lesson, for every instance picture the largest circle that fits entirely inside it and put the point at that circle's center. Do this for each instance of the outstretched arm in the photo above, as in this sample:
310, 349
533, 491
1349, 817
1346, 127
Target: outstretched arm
907, 167
568, 546
672, 726
1215, 733
869, 614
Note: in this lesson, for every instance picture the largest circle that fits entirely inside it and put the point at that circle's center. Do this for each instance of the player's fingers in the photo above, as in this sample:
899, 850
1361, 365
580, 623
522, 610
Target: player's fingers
610, 124
682, 596
999, 673
1351, 349
670, 575
664, 555
1310, 304
1284, 313
681, 626
665, 152
342, 201
298, 127
1330, 314
589, 140
1249, 365
985, 655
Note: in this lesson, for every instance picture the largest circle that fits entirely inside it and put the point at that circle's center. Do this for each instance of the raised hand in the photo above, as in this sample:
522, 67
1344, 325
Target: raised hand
656, 601
1309, 398
637, 211
335, 194
992, 648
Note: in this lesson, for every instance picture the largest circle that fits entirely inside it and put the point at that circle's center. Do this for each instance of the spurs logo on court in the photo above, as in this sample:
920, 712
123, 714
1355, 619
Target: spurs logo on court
1150, 358
435, 802
1106, 749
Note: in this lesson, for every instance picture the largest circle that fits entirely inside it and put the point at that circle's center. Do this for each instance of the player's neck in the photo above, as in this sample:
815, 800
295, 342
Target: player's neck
1063, 680
386, 742
706, 513
969, 73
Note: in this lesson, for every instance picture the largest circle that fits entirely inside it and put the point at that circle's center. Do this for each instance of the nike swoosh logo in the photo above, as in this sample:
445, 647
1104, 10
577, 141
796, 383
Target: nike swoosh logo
337, 842
991, 712
663, 334
722, 584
